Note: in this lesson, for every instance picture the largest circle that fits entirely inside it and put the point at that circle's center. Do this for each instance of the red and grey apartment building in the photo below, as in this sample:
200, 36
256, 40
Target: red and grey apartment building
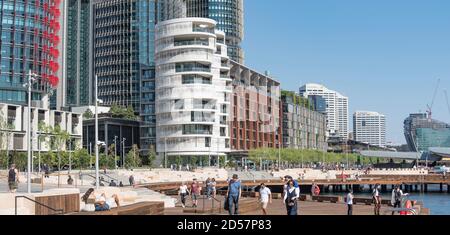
255, 115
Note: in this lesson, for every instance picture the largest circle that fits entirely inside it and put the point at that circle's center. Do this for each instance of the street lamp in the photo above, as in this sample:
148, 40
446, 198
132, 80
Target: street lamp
97, 101
115, 151
123, 152
31, 79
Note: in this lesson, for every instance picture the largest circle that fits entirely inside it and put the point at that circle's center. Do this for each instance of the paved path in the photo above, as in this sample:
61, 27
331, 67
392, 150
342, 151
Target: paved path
305, 208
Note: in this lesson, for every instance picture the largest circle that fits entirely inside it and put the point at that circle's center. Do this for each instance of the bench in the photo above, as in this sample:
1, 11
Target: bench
141, 208
332, 199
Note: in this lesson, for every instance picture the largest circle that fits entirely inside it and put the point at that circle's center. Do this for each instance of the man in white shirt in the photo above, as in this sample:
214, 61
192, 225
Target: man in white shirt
349, 201
265, 197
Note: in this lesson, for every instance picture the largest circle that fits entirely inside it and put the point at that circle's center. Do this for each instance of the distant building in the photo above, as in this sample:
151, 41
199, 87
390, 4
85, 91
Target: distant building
318, 103
369, 127
255, 111
421, 132
303, 128
336, 108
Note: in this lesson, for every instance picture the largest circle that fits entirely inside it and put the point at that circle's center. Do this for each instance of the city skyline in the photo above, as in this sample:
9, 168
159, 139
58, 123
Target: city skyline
348, 47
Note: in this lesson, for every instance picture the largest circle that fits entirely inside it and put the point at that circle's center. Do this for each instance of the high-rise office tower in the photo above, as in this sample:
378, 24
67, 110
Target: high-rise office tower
193, 89
229, 15
30, 41
78, 72
123, 47
336, 110
369, 127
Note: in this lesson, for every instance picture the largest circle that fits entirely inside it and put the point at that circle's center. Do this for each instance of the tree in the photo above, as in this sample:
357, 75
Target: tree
121, 112
82, 158
88, 114
132, 159
20, 160
60, 141
106, 161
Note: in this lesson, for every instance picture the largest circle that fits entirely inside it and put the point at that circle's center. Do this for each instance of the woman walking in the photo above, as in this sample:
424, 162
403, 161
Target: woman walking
291, 196
183, 192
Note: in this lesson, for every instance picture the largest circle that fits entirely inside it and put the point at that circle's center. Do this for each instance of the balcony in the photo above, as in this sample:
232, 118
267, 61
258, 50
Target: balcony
198, 42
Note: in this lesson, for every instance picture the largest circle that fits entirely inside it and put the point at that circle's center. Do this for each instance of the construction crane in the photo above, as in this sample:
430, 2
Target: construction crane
430, 107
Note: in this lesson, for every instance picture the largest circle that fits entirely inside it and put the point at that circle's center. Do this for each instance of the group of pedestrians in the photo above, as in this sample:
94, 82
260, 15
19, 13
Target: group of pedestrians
195, 190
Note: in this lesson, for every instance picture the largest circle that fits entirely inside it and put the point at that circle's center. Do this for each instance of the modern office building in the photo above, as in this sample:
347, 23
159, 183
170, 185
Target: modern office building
229, 15
422, 133
30, 41
121, 132
303, 128
255, 111
15, 125
78, 70
369, 127
336, 108
193, 89
123, 48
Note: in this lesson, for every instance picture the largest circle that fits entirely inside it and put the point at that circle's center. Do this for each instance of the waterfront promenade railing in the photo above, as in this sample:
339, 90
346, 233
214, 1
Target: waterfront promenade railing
59, 211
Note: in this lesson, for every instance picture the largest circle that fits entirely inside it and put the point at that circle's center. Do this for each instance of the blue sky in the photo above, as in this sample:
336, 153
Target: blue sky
385, 55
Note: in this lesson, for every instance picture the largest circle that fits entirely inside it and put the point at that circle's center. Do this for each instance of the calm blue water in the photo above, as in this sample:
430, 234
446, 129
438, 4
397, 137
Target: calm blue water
438, 203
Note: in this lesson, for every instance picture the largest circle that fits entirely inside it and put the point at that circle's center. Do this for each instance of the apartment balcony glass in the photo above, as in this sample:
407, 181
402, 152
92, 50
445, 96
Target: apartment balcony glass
202, 117
196, 129
190, 42
192, 67
202, 28
196, 79
204, 104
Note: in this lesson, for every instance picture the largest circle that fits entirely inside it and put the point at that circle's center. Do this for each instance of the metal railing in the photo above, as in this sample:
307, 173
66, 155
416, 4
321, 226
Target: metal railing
60, 211
213, 199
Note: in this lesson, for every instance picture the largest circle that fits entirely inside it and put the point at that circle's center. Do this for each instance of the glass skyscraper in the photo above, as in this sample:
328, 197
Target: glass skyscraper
78, 90
30, 41
229, 15
422, 132
123, 47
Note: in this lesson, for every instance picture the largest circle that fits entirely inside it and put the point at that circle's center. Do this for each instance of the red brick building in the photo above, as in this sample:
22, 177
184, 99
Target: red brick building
255, 111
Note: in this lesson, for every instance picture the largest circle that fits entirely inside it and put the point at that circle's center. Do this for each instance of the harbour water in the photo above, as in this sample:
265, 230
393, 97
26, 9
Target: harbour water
438, 203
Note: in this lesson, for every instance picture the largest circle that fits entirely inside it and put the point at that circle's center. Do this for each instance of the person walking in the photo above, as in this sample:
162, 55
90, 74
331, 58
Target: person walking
265, 197
349, 202
234, 194
13, 178
213, 187
290, 198
208, 188
195, 192
396, 199
131, 180
183, 192
376, 199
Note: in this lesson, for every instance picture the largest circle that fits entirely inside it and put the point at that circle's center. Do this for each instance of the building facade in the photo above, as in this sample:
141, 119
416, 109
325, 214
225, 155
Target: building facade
255, 110
303, 128
229, 15
422, 132
78, 59
369, 127
193, 89
336, 110
30, 41
123, 47
14, 126
120, 132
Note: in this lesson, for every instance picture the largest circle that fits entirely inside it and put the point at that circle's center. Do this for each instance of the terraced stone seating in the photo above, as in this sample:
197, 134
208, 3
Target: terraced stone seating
140, 208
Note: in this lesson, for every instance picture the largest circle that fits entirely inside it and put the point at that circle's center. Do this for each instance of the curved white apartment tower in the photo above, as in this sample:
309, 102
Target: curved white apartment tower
193, 89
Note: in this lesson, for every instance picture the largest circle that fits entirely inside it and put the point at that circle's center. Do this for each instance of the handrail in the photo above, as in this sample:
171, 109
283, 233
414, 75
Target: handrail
36, 202
212, 203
